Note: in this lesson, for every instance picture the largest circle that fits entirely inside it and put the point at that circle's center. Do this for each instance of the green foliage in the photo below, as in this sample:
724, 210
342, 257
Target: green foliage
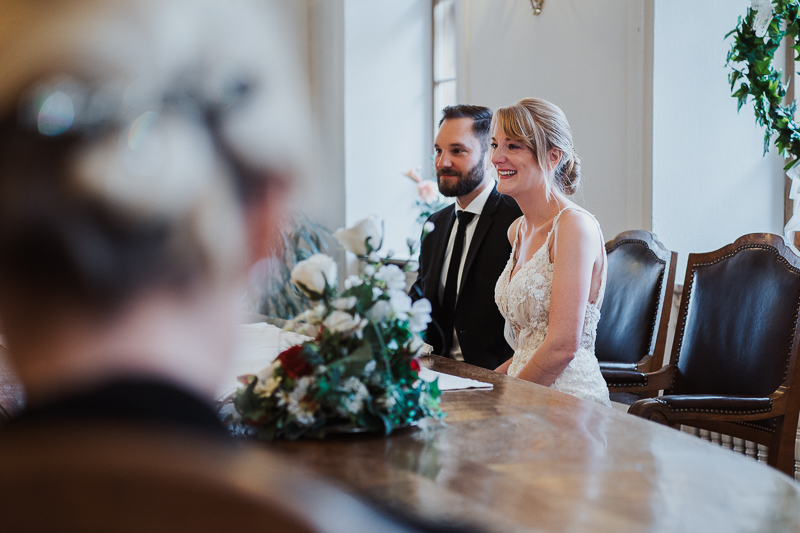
275, 295
361, 370
753, 75
426, 209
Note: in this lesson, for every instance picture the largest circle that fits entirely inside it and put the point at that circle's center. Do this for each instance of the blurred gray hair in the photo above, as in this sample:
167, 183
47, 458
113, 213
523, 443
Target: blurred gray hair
151, 117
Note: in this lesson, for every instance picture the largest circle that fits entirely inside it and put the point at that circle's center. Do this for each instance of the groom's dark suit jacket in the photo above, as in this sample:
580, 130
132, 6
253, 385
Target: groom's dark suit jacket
477, 321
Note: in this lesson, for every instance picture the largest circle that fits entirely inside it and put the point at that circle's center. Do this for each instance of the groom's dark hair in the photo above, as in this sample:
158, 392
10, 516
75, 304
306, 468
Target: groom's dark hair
481, 120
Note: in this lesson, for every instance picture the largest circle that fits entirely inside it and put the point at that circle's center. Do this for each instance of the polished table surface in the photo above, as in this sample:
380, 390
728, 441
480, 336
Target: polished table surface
522, 457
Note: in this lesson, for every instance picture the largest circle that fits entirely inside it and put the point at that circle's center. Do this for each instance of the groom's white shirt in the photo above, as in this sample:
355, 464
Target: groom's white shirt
476, 207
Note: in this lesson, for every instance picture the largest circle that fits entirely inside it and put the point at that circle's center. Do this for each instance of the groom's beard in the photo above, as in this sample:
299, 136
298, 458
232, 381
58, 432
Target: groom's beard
465, 184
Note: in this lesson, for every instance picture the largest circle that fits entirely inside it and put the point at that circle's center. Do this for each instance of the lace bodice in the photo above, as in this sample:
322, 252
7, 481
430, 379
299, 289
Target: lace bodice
524, 301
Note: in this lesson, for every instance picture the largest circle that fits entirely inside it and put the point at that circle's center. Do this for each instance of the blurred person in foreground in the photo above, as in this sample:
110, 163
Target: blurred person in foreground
145, 154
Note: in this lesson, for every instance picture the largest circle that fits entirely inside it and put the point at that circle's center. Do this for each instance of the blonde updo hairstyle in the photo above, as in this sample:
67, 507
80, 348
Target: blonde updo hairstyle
542, 126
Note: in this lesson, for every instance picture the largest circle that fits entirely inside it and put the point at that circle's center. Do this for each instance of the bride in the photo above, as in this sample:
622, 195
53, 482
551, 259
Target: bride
552, 288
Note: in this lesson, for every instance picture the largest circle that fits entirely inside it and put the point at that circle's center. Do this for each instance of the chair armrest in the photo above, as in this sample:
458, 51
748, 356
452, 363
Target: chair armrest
643, 365
675, 409
613, 365
638, 382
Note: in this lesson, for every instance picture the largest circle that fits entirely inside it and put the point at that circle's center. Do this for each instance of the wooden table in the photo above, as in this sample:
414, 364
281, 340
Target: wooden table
522, 457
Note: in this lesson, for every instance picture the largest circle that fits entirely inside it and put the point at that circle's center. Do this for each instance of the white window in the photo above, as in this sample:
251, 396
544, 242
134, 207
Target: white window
444, 57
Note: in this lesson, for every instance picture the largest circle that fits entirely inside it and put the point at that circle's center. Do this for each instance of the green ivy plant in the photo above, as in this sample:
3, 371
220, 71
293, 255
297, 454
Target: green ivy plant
750, 59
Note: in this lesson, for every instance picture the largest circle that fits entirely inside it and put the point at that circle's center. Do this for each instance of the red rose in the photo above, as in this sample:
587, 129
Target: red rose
293, 363
414, 364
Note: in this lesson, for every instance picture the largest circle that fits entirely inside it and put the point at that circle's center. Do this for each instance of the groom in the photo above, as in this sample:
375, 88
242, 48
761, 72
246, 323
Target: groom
461, 259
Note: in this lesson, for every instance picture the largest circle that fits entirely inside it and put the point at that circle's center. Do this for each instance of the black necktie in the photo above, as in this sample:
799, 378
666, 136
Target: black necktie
451, 284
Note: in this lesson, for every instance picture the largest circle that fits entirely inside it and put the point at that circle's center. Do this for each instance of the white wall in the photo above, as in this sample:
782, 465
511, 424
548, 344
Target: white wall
323, 197
710, 181
589, 58
371, 86
387, 111
642, 82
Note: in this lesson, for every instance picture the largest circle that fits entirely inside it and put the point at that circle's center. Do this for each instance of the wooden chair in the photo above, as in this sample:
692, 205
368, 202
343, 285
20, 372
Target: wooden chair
632, 333
734, 358
87, 478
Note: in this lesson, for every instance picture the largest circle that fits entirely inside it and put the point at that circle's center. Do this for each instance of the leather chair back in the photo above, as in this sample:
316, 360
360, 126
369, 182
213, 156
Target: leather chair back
641, 274
736, 328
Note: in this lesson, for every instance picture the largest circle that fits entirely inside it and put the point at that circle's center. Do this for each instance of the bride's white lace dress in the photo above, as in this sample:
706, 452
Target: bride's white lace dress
524, 301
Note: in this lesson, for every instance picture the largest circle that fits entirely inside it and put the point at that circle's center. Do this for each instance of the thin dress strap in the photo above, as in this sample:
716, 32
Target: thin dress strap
601, 291
553, 227
515, 246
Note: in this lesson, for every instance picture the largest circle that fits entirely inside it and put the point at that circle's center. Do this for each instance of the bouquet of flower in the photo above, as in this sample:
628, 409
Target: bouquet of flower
361, 370
430, 200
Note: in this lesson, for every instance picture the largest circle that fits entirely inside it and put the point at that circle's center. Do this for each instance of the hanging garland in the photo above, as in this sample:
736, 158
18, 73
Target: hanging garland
755, 41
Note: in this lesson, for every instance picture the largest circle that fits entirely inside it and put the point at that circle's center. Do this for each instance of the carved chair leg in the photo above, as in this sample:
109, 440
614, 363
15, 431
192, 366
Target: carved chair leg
781, 449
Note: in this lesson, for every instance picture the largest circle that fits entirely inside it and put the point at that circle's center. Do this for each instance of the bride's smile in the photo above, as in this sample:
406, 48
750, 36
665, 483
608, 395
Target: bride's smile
517, 168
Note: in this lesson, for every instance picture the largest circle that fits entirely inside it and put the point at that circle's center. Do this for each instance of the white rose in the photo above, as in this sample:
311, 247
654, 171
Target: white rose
420, 315
413, 246
380, 311
352, 281
355, 238
342, 322
415, 344
400, 303
313, 274
428, 227
394, 278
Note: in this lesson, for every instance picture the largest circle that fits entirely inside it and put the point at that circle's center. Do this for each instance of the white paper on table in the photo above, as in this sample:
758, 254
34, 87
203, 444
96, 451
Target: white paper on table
257, 346
450, 382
